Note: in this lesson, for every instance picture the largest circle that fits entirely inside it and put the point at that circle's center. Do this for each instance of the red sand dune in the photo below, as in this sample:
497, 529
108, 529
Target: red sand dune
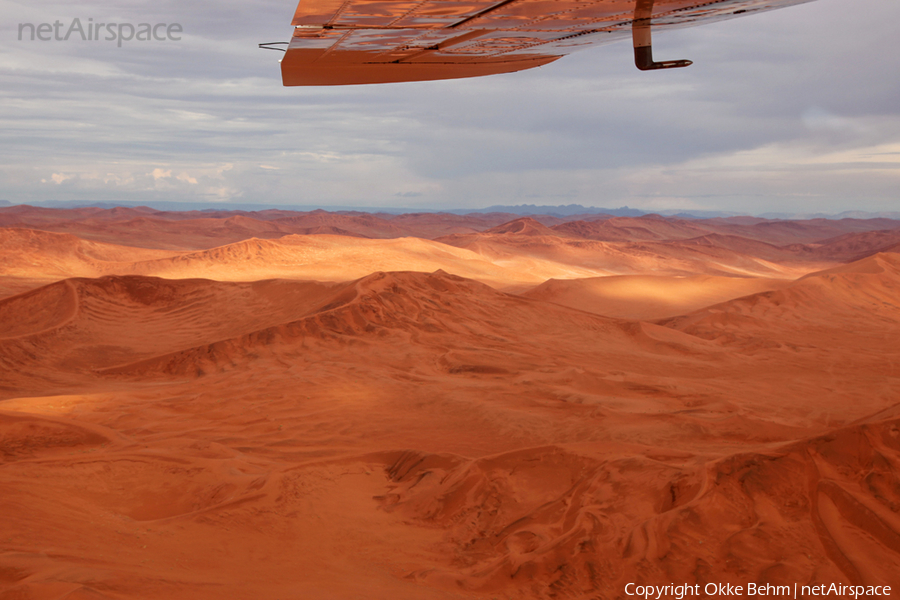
647, 227
31, 253
198, 230
820, 509
648, 297
862, 294
801, 232
328, 257
82, 324
31, 258
619, 258
410, 435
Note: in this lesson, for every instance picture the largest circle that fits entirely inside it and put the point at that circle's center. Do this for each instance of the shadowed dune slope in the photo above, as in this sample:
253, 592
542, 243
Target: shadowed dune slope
39, 254
782, 232
80, 324
524, 226
856, 246
31, 258
407, 308
747, 246
631, 229
32, 312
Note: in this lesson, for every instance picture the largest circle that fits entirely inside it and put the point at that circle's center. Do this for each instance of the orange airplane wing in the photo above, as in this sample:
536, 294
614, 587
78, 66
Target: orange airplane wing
341, 42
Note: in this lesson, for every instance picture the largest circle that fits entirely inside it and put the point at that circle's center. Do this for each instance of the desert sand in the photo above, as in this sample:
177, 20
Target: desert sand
248, 405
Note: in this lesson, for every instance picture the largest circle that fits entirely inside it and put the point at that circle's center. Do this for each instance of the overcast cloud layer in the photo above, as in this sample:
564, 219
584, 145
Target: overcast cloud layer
793, 110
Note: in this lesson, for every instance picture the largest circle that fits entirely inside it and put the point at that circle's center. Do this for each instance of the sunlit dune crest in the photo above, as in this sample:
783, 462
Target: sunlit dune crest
342, 258
649, 297
862, 294
519, 408
322, 257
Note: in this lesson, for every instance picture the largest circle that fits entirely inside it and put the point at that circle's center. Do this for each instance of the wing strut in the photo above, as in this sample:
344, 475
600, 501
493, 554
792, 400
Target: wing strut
643, 44
271, 46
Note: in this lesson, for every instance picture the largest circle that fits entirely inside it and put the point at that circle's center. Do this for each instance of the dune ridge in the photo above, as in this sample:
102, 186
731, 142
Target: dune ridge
52, 257
508, 254
580, 525
407, 304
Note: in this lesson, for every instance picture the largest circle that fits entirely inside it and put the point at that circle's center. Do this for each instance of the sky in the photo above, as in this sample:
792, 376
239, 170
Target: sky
793, 110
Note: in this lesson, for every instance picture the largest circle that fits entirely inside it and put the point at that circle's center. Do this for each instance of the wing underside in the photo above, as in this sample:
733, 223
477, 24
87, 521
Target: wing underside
339, 42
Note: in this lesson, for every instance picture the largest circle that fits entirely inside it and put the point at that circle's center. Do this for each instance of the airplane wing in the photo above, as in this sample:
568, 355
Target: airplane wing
341, 42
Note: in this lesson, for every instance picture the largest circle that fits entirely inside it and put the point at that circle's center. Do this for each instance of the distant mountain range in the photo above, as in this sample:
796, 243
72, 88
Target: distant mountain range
520, 209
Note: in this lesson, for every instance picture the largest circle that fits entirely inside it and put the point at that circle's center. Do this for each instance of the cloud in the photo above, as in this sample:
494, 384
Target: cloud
783, 110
